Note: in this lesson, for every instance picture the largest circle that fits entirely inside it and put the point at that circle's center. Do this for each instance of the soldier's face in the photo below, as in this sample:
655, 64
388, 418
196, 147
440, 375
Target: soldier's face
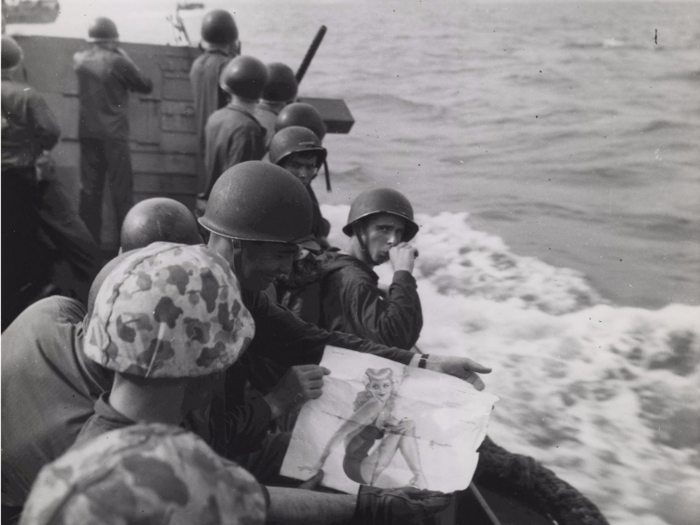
381, 233
263, 262
303, 166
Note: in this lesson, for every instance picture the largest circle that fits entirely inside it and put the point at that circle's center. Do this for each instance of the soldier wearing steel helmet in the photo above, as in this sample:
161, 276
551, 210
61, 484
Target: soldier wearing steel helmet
167, 320
220, 44
259, 216
28, 128
233, 134
380, 226
158, 219
106, 75
280, 89
304, 115
299, 151
49, 387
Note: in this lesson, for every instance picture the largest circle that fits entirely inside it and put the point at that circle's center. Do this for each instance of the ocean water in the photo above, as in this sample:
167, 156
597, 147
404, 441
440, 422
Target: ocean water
551, 151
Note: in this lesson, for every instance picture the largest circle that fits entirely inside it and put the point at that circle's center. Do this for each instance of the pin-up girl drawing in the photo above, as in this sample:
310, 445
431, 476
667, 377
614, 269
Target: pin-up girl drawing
372, 435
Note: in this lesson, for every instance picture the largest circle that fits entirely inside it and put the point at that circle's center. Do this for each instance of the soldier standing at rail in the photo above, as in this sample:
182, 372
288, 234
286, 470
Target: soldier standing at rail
106, 74
281, 89
233, 134
220, 43
28, 128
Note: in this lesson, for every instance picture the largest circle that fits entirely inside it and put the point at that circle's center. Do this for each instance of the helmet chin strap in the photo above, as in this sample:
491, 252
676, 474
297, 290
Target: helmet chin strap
328, 176
237, 259
357, 230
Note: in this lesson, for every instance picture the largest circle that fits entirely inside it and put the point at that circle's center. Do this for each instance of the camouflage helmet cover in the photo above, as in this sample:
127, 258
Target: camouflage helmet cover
144, 474
169, 310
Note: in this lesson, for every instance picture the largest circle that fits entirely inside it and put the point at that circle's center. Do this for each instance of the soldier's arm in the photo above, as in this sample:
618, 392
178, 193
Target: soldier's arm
371, 506
131, 75
283, 337
307, 507
394, 320
46, 128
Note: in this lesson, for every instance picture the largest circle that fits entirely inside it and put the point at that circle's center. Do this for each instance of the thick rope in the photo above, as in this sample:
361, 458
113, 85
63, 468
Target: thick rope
530, 482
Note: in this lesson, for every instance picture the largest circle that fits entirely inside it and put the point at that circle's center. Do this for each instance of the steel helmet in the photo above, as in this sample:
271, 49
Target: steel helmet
258, 201
103, 29
382, 200
219, 27
158, 220
245, 77
301, 114
295, 139
144, 473
281, 83
169, 311
11, 53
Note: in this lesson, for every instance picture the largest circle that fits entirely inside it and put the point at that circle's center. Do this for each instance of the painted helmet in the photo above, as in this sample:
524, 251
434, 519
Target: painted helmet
102, 28
258, 201
219, 27
245, 77
301, 114
11, 53
295, 139
158, 220
382, 200
169, 310
145, 473
281, 83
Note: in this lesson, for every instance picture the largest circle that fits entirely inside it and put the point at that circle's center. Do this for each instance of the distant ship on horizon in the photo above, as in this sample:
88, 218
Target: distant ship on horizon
30, 11
187, 6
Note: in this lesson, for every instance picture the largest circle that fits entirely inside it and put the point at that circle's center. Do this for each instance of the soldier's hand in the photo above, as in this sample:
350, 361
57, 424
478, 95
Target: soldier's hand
459, 367
404, 505
313, 482
298, 385
403, 256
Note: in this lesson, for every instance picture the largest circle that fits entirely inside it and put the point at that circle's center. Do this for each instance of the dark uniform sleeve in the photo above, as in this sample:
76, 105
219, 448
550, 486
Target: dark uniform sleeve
238, 422
283, 337
131, 75
45, 126
394, 320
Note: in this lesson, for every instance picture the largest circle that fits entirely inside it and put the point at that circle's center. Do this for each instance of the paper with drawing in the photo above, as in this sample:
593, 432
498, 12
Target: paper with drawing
384, 424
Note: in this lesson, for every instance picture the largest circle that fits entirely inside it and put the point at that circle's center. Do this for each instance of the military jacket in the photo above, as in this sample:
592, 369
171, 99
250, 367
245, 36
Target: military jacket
28, 125
105, 77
